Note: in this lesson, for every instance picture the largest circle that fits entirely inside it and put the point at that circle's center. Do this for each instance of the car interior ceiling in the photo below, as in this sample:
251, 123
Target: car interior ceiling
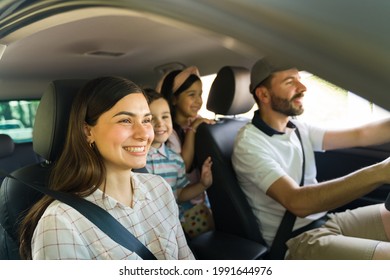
204, 36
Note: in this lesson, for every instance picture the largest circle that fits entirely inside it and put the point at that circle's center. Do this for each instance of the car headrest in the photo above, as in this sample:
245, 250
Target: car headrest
52, 117
7, 145
229, 93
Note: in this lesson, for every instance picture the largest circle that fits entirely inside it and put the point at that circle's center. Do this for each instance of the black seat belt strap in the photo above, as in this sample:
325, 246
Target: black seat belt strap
98, 216
279, 247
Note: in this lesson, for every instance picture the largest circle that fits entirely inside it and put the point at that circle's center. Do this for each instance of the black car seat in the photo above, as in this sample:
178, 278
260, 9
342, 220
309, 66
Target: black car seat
229, 96
15, 155
7, 147
49, 132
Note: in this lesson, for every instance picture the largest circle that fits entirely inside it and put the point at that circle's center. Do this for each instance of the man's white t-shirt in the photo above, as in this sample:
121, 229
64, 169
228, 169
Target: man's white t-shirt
262, 156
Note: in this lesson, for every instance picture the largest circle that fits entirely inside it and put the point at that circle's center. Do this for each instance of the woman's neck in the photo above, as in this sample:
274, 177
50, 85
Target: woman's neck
120, 187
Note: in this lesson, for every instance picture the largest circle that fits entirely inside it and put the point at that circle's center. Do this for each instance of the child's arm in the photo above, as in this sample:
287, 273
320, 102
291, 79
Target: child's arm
193, 190
188, 147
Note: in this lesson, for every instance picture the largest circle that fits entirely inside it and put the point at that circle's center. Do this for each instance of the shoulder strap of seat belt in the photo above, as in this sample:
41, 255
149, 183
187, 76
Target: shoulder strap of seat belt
387, 202
98, 216
279, 247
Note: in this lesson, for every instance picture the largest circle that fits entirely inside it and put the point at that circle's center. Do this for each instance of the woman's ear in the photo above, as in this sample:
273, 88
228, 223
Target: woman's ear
88, 134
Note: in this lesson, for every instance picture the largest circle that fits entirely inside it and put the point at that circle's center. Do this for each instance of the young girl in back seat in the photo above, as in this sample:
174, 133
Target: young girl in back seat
163, 161
183, 91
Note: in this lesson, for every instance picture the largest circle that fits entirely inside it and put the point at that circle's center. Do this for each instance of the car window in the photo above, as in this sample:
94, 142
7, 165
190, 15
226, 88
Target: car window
17, 119
331, 106
325, 104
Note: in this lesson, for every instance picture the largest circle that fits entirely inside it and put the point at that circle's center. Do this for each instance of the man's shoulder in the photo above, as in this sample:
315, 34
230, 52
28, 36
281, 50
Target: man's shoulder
248, 139
247, 133
304, 125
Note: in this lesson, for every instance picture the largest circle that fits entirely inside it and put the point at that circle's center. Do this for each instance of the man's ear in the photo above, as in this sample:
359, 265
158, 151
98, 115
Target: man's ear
262, 94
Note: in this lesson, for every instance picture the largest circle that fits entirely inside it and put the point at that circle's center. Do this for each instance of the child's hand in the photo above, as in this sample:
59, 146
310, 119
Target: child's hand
206, 175
198, 121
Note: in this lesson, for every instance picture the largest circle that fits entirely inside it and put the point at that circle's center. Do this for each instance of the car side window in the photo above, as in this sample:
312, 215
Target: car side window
17, 119
328, 105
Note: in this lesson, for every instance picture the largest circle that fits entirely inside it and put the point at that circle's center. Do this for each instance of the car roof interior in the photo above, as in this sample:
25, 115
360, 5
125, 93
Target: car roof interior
340, 41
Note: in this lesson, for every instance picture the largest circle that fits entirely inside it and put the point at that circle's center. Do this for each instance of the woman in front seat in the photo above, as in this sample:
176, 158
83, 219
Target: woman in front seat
109, 134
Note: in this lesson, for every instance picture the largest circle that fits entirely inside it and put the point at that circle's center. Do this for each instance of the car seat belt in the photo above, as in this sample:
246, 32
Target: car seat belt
387, 202
98, 216
279, 247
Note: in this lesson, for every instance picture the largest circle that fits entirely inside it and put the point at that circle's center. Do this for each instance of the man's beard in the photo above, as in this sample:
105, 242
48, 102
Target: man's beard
286, 106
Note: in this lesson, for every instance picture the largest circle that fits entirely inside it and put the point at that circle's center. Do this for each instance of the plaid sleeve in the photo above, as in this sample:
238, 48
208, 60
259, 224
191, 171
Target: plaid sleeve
57, 238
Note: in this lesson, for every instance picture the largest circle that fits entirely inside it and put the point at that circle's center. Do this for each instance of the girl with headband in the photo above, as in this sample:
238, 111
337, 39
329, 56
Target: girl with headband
183, 91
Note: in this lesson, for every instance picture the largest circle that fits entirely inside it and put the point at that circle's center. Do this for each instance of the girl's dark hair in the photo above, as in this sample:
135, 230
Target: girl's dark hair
152, 95
79, 169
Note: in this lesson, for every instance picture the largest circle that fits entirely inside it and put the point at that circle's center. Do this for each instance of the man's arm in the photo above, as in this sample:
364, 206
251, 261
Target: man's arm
375, 133
325, 196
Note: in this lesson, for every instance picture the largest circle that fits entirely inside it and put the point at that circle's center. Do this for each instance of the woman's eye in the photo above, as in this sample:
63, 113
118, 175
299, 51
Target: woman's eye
148, 120
125, 121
